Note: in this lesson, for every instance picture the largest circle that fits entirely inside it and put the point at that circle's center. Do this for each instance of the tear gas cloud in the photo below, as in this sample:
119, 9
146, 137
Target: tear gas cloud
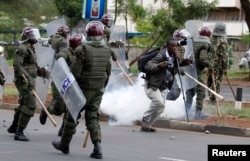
128, 104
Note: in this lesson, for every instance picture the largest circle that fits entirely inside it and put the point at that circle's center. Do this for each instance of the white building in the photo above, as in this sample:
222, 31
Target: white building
229, 12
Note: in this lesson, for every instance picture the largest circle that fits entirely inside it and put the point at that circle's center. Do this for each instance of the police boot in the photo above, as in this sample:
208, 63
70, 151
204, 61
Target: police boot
59, 146
61, 129
97, 151
43, 117
19, 135
199, 115
12, 129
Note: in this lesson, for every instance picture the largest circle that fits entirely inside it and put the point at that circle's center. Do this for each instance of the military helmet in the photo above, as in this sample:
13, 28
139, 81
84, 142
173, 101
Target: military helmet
75, 40
180, 34
95, 31
30, 34
63, 30
205, 31
107, 19
219, 29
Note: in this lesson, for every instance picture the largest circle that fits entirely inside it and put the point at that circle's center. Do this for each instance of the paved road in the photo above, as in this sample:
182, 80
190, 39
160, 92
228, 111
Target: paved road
120, 143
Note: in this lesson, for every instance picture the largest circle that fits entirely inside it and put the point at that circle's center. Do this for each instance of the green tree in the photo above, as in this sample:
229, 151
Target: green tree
172, 15
71, 9
15, 14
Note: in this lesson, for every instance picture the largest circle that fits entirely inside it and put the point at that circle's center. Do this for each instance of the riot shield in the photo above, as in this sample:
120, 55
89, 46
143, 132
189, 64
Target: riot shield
45, 56
192, 26
118, 45
68, 87
4, 73
53, 26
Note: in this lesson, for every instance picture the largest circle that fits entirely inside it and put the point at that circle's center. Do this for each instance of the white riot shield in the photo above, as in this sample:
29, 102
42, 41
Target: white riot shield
4, 72
192, 26
118, 45
53, 26
188, 83
68, 87
45, 57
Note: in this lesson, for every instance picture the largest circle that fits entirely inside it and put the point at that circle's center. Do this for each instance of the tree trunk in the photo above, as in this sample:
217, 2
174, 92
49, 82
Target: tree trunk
245, 4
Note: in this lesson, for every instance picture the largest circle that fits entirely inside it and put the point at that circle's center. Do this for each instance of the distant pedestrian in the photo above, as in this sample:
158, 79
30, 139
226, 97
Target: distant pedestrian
248, 58
243, 62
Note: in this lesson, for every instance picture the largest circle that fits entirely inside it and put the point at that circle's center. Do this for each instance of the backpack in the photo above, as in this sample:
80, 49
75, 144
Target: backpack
145, 58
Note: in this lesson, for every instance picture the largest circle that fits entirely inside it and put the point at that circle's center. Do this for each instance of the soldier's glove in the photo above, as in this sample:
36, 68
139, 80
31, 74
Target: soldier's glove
2, 81
182, 42
41, 72
162, 65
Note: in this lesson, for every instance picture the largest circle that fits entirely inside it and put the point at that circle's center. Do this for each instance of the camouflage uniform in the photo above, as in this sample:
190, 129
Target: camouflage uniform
219, 57
57, 105
89, 70
113, 54
25, 65
201, 46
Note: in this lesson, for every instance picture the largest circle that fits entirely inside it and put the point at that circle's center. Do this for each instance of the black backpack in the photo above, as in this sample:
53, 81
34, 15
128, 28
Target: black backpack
145, 58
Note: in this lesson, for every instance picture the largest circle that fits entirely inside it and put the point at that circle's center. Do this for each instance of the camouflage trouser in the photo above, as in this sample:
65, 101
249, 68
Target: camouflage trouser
91, 108
27, 104
218, 78
199, 91
57, 106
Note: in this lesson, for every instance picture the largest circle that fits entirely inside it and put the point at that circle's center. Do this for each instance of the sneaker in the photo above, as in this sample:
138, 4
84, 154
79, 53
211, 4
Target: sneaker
147, 129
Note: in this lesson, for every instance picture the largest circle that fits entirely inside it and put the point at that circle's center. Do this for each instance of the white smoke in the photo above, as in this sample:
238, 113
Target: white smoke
128, 104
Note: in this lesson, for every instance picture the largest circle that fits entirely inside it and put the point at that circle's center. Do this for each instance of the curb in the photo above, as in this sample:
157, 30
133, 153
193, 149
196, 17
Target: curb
174, 124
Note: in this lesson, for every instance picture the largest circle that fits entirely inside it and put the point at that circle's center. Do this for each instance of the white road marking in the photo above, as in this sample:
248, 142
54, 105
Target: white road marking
171, 159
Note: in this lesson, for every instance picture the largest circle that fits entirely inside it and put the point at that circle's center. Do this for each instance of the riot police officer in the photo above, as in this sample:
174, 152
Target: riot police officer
58, 42
89, 69
25, 72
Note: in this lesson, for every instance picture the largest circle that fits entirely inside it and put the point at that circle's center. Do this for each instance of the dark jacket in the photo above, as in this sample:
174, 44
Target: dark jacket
162, 78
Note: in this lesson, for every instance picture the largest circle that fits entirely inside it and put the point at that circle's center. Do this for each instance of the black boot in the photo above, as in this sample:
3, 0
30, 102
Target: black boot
59, 146
61, 129
43, 117
12, 129
19, 135
97, 151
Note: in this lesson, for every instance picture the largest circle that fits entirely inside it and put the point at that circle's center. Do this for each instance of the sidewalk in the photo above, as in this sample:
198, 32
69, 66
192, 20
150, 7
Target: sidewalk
176, 124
